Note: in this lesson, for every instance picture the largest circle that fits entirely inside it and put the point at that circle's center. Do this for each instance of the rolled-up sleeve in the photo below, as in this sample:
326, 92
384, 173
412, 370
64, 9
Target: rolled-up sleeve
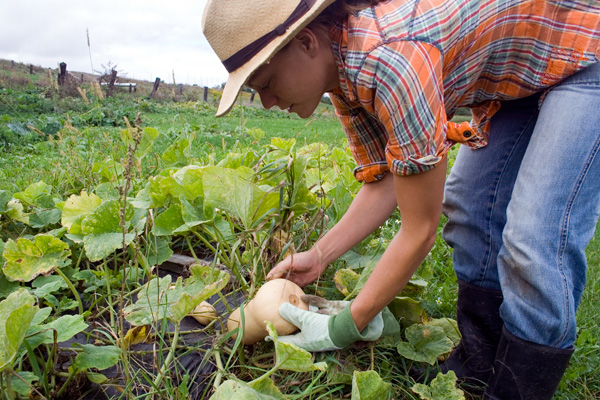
398, 122
409, 101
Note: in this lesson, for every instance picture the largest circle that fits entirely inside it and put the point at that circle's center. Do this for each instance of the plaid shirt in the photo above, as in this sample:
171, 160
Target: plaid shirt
406, 66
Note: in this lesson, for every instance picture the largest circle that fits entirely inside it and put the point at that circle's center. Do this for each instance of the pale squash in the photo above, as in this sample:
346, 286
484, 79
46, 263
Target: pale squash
265, 307
204, 313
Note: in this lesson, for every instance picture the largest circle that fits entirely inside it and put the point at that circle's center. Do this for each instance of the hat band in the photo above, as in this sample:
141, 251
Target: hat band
244, 55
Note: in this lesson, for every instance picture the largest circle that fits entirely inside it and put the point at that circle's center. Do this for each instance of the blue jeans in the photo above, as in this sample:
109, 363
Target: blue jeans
522, 210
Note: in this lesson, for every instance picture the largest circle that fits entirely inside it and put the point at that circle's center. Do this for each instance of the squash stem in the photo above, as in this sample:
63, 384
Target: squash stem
70, 285
165, 366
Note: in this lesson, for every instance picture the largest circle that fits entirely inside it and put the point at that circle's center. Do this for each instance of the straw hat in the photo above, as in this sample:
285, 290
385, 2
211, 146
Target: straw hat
246, 33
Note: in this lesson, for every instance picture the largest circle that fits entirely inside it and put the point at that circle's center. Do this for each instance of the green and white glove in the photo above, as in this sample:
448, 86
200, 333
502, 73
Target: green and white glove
322, 332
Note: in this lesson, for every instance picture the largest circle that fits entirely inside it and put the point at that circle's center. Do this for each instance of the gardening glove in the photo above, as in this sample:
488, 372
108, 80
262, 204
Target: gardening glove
321, 332
323, 306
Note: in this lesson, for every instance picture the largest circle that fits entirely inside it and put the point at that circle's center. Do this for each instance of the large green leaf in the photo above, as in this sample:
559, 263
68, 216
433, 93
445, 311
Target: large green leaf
168, 221
443, 387
265, 386
103, 232
174, 155
230, 190
345, 280
26, 259
283, 144
44, 218
450, 328
290, 357
16, 313
425, 343
15, 210
48, 285
203, 282
157, 250
408, 310
5, 197
341, 198
146, 139
236, 160
66, 327
154, 301
366, 262
236, 390
78, 207
23, 382
107, 191
108, 170
301, 199
368, 385
36, 194
190, 178
194, 213
6, 286
172, 184
160, 299
99, 357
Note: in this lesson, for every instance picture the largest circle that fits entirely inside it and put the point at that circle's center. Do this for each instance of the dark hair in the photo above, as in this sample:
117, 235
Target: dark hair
339, 9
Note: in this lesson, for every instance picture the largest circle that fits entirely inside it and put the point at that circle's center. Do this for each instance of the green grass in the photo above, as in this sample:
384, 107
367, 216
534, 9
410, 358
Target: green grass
582, 378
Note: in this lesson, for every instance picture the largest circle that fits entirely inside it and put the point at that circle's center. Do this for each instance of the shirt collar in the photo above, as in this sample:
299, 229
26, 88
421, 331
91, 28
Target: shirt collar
340, 50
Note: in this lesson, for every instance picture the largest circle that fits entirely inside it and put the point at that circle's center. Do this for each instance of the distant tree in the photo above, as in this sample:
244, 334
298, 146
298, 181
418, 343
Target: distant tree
106, 72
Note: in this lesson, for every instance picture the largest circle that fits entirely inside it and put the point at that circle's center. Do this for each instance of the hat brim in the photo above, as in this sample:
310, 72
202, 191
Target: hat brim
238, 78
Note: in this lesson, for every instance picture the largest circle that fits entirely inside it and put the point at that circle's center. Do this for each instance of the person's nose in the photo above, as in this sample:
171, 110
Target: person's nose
267, 98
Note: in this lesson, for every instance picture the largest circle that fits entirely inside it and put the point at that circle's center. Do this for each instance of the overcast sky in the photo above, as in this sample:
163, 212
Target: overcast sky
144, 38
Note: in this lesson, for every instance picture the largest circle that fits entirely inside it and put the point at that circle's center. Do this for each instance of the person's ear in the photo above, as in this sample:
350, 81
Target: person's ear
308, 41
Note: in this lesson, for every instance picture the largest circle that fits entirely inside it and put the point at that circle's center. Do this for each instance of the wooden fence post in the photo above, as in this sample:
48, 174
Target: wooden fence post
252, 97
111, 83
62, 75
205, 94
155, 88
180, 89
30, 69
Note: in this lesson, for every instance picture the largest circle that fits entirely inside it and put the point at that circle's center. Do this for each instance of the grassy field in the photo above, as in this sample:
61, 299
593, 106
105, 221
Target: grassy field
73, 145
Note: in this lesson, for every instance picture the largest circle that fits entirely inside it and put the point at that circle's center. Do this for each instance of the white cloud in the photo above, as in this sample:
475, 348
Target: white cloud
145, 38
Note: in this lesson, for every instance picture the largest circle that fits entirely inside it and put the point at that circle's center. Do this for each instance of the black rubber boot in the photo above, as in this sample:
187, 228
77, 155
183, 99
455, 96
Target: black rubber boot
479, 322
524, 370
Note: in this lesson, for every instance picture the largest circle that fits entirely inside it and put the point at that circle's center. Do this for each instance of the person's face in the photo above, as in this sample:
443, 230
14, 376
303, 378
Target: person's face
297, 76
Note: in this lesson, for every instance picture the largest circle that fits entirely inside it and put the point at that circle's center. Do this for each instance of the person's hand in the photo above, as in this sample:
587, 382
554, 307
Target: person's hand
300, 268
322, 332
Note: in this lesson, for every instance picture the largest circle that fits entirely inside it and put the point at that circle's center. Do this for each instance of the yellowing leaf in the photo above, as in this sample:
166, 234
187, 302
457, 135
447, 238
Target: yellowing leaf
136, 335
290, 357
78, 207
160, 299
14, 210
345, 280
26, 259
443, 387
425, 343
368, 385
16, 313
103, 231
236, 390
408, 310
37, 193
230, 190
